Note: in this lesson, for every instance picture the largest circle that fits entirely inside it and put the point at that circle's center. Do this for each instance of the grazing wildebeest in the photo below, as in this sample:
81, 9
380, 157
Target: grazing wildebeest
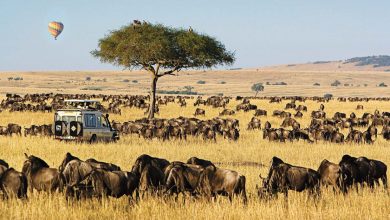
283, 177
151, 172
260, 112
40, 176
355, 171
102, 183
181, 178
330, 174
73, 171
13, 183
14, 129
222, 181
255, 123
199, 111
227, 112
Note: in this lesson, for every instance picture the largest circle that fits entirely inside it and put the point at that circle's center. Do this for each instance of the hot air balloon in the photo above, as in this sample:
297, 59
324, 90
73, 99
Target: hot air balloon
55, 28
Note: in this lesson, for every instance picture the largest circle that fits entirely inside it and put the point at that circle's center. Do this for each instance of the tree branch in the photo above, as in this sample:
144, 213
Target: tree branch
170, 72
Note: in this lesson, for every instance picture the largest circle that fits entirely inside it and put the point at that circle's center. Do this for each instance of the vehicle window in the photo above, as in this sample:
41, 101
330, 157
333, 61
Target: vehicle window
68, 118
57, 117
79, 119
104, 122
99, 121
90, 120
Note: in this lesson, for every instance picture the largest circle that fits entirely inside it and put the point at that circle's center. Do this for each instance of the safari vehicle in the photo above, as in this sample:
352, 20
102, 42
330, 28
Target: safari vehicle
83, 121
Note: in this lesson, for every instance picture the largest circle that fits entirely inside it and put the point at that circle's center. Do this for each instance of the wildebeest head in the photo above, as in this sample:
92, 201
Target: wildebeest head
33, 163
68, 157
201, 162
3, 163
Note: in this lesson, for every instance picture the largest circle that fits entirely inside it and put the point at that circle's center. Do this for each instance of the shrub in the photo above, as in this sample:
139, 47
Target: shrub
328, 96
88, 78
95, 88
201, 82
126, 80
223, 82
316, 84
335, 83
134, 81
382, 85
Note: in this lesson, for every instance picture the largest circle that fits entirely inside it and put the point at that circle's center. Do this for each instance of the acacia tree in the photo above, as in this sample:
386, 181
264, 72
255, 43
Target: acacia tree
257, 87
161, 51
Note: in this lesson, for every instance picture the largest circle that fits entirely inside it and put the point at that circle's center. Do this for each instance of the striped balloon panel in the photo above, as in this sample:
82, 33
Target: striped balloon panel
55, 28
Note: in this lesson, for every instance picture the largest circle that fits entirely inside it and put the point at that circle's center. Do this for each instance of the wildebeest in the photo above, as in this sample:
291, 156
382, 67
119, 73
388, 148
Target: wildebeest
13, 184
101, 183
40, 176
103, 165
227, 112
199, 111
283, 177
222, 181
182, 178
361, 170
330, 174
151, 172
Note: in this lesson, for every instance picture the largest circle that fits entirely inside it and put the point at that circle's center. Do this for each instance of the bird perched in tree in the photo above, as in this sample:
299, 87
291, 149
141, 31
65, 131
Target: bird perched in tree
190, 30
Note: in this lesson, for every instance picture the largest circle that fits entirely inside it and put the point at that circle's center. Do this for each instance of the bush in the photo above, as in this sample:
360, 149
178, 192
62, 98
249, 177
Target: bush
201, 82
88, 78
335, 83
135, 81
18, 78
328, 96
95, 88
382, 85
316, 84
126, 80
223, 82
220, 94
10, 78
176, 92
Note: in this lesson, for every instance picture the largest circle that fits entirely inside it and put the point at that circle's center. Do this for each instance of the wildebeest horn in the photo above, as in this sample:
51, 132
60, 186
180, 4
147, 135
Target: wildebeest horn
26, 155
261, 177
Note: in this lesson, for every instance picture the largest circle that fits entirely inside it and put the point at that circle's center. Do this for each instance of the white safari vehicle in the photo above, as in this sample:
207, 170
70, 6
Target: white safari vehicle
82, 120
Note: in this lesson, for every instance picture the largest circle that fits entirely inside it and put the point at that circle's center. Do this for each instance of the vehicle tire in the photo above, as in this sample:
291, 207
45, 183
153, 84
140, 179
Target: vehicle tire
93, 139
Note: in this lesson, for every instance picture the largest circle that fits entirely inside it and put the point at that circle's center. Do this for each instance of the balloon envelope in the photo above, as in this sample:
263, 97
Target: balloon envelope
55, 28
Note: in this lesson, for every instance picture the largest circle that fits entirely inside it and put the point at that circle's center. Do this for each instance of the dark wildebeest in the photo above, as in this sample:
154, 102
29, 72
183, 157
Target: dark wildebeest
200, 111
3, 166
151, 172
13, 183
40, 176
222, 181
200, 162
14, 129
355, 171
283, 177
181, 178
103, 165
330, 174
102, 183
73, 171
260, 112
227, 112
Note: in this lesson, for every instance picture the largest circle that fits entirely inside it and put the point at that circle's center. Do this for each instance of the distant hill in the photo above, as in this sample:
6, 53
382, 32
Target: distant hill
368, 63
375, 61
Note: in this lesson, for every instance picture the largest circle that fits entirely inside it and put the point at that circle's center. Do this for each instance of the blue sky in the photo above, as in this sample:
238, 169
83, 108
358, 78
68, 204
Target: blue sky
261, 32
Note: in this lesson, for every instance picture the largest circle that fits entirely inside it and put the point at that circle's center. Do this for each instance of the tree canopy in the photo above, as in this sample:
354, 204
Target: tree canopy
154, 46
160, 50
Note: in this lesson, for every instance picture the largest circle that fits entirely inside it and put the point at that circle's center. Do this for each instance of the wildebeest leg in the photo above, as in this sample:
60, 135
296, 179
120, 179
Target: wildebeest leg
384, 181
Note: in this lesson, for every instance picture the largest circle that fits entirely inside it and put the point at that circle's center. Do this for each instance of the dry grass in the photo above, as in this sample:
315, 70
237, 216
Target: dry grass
237, 82
250, 147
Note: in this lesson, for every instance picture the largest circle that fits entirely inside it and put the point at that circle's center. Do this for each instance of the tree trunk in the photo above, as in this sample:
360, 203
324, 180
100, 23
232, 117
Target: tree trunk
256, 93
153, 97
